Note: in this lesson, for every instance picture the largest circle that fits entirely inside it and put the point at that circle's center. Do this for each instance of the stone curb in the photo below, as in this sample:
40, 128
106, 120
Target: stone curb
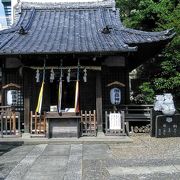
84, 140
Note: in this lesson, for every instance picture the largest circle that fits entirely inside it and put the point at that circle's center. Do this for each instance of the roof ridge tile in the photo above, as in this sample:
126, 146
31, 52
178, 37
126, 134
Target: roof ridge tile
68, 5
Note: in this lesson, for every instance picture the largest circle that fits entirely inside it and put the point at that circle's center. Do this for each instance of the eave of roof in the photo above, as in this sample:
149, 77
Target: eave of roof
73, 29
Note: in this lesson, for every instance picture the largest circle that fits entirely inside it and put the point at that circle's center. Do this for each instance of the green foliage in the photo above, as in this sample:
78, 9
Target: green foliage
149, 14
148, 92
163, 73
168, 84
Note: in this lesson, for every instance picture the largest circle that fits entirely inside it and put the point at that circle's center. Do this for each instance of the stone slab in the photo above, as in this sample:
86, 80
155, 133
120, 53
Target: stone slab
96, 151
56, 150
21, 168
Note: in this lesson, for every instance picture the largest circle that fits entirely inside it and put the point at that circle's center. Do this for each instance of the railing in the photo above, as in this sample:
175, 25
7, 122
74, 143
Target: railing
37, 124
114, 123
9, 122
88, 123
138, 113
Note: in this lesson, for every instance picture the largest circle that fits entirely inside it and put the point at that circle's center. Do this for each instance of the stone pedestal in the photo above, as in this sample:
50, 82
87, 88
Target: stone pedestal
153, 122
167, 126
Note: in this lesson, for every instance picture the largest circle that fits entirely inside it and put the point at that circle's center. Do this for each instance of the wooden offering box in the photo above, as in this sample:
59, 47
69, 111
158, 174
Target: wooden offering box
65, 124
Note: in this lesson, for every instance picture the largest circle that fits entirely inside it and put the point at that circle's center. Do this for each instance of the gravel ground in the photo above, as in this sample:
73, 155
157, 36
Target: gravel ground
144, 147
146, 158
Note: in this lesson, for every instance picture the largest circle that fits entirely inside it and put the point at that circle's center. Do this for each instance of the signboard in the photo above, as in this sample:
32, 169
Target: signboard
114, 121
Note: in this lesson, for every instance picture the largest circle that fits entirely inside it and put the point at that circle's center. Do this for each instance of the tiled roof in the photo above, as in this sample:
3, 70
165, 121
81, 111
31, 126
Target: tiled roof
78, 28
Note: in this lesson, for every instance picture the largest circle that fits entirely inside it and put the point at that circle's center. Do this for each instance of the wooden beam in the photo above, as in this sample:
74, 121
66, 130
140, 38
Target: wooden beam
27, 84
99, 101
127, 101
3, 83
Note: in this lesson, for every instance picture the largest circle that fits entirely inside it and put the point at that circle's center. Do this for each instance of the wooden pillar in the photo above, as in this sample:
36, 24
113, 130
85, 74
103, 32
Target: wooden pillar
99, 101
127, 87
3, 83
127, 101
27, 84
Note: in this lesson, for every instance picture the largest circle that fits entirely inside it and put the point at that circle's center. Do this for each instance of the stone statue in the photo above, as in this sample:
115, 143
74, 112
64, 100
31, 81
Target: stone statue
159, 100
165, 104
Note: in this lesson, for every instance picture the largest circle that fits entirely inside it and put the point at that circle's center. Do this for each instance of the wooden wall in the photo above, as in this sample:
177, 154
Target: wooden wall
109, 75
88, 92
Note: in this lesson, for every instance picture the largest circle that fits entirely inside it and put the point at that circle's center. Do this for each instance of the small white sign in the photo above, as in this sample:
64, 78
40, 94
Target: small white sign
115, 121
53, 108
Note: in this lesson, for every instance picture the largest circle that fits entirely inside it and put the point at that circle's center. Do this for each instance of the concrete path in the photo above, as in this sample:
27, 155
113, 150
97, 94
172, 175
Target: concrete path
145, 158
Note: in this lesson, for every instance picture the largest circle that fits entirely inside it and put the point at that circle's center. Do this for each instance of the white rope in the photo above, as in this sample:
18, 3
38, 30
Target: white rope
95, 68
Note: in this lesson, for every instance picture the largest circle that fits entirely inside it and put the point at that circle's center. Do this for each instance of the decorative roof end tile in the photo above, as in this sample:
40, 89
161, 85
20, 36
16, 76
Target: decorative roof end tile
22, 31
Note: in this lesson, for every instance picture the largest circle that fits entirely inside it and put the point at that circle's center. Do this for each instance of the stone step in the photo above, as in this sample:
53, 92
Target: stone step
81, 140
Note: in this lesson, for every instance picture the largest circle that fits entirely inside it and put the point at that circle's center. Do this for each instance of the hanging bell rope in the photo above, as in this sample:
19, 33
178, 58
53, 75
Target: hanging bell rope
40, 98
76, 103
60, 90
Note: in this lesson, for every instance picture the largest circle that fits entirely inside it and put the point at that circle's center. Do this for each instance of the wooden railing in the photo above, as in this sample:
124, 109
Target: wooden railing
37, 124
9, 122
138, 113
88, 123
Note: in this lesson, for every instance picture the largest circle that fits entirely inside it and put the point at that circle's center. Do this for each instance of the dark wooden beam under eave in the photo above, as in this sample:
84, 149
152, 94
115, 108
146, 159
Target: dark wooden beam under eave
99, 102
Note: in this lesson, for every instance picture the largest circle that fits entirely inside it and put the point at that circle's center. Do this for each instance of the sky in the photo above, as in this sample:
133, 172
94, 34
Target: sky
1, 9
2, 16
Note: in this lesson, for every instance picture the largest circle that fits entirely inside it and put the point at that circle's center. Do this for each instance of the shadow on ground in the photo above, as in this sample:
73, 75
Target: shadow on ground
6, 161
8, 146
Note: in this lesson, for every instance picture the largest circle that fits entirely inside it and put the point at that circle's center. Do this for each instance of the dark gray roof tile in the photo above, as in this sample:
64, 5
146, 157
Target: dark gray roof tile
76, 29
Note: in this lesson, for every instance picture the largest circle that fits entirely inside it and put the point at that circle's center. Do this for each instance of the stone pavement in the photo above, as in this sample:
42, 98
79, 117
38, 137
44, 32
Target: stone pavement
144, 158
